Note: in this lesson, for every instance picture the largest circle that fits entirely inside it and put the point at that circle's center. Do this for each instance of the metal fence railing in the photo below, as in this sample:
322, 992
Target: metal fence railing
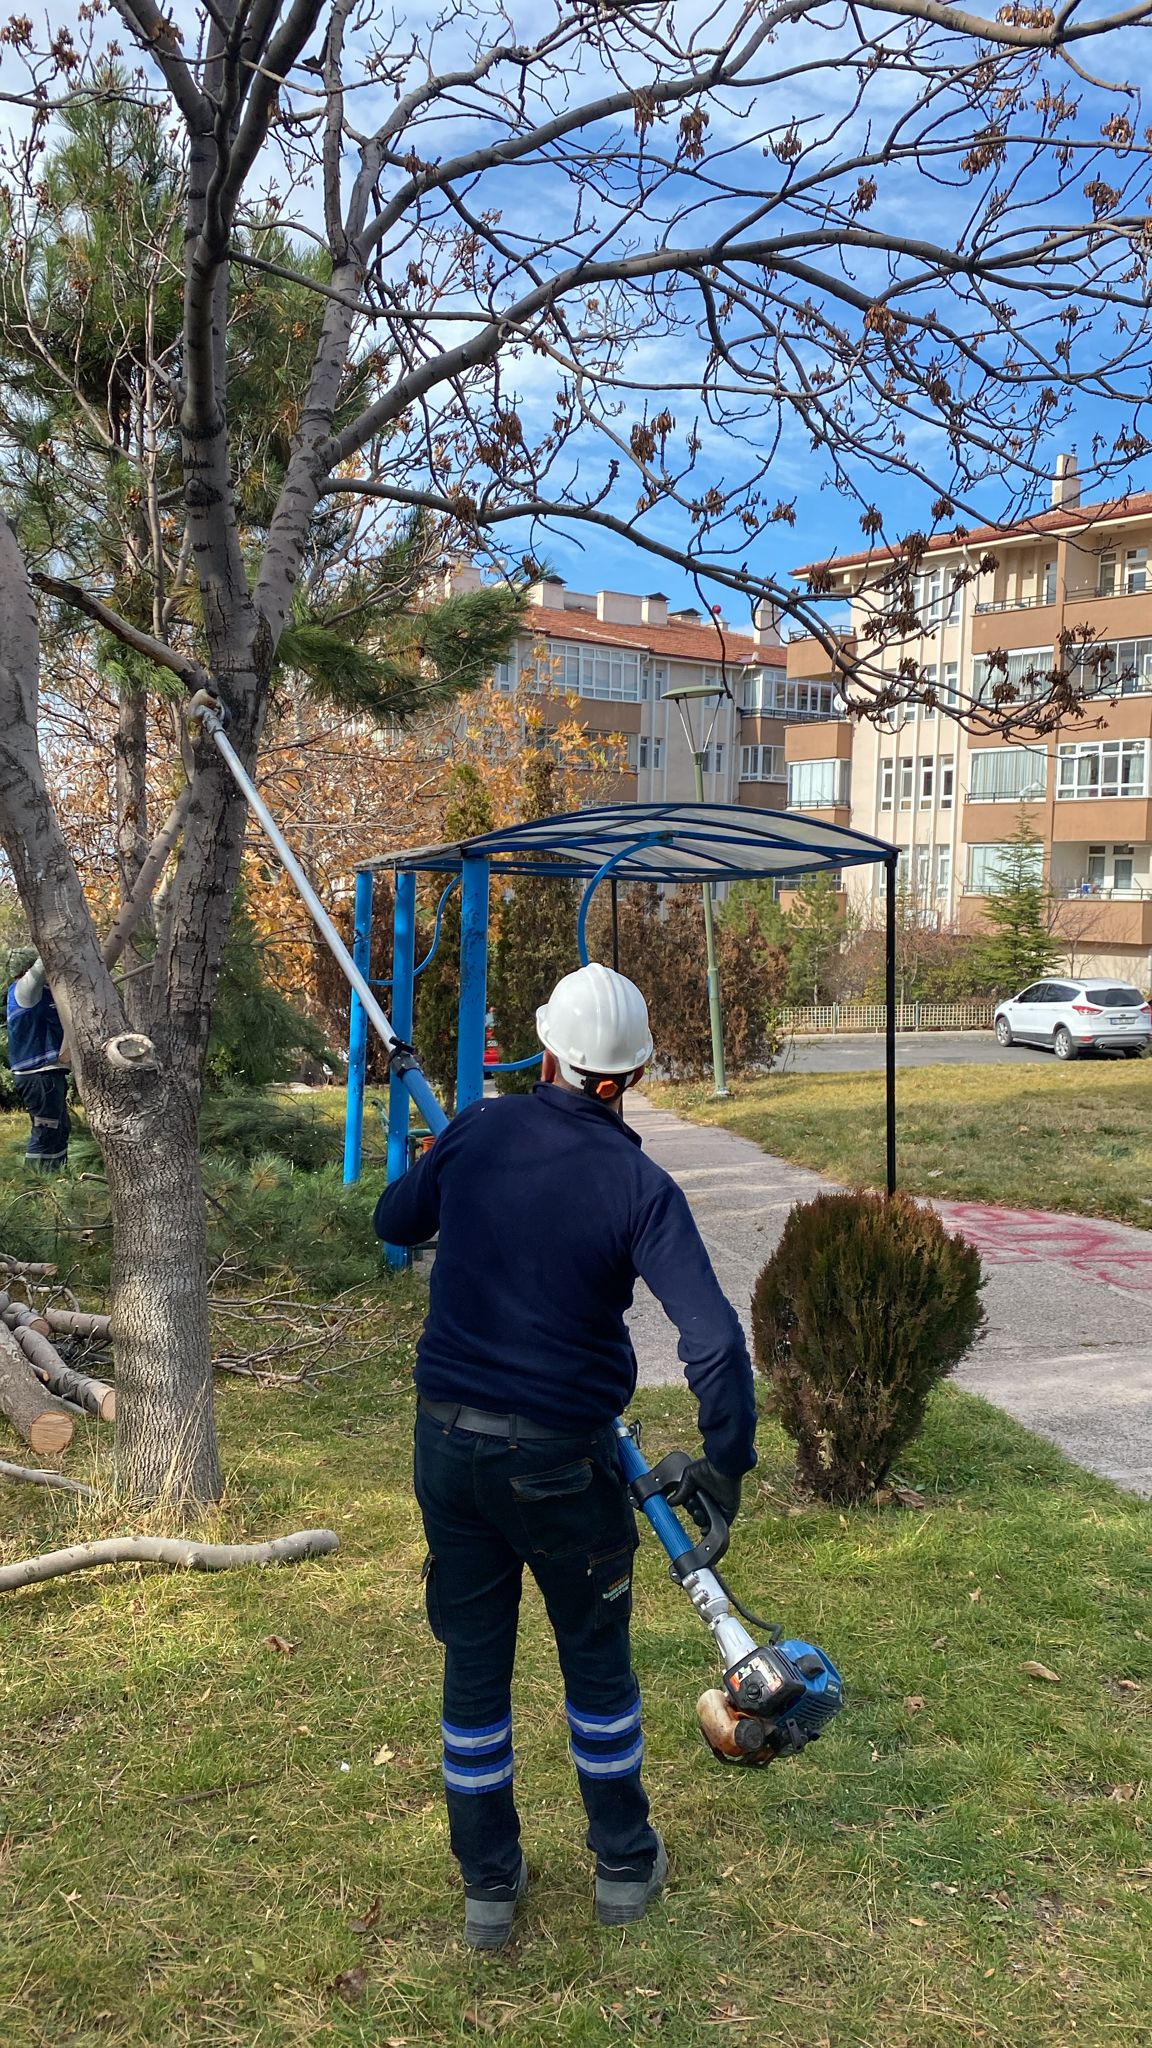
821, 1017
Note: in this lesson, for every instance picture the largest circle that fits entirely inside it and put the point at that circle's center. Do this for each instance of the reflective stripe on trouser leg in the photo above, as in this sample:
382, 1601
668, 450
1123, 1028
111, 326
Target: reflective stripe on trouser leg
606, 1746
478, 1759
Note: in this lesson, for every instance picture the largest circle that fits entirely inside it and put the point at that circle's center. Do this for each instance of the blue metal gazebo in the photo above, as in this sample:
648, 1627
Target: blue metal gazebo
667, 843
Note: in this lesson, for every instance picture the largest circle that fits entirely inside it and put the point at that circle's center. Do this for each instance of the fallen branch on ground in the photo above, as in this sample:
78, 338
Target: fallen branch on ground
191, 1557
36, 1476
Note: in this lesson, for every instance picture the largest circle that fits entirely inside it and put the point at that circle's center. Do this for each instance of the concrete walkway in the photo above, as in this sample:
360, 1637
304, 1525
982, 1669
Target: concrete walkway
1069, 1300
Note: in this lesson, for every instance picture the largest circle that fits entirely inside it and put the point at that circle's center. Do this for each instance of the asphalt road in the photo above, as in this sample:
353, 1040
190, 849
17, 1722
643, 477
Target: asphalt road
848, 1054
1068, 1298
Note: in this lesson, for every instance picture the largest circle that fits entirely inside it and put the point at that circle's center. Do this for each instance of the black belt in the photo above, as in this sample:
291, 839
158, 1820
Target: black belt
481, 1423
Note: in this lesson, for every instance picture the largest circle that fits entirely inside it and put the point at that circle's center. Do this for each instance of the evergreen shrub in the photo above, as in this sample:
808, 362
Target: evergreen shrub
866, 1304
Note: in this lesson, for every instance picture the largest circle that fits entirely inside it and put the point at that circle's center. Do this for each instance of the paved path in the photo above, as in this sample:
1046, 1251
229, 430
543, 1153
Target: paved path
1069, 1300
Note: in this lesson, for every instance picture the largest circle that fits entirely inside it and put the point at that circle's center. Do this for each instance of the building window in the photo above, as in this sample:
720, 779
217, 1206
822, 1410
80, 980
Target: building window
927, 781
1103, 768
947, 767
943, 870
986, 865
887, 784
607, 673
1007, 774
930, 675
506, 675
1097, 856
1048, 583
950, 688
1123, 862
776, 697
817, 785
644, 752
907, 774
713, 760
1029, 672
923, 871
1112, 668
1123, 578
762, 764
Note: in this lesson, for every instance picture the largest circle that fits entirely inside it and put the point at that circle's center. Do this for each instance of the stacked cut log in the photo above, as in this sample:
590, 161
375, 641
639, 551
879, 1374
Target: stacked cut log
33, 1333
44, 1422
39, 1392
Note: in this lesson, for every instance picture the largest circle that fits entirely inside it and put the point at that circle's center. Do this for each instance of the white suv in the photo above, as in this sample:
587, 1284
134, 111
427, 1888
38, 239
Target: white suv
1071, 1016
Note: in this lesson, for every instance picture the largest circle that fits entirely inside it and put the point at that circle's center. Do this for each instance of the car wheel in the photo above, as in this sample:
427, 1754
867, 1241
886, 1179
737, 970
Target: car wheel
1133, 1052
1064, 1045
1003, 1031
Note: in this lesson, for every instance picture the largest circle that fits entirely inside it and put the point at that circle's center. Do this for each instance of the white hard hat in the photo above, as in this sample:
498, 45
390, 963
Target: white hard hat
596, 1022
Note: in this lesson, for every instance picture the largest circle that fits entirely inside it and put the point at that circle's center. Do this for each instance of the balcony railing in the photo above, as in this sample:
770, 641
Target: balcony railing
1016, 604
1101, 892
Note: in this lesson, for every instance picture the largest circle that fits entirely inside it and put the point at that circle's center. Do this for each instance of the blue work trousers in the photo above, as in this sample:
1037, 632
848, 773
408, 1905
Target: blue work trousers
560, 1507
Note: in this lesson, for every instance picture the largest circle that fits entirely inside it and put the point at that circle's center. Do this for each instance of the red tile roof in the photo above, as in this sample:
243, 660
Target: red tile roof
705, 642
1059, 519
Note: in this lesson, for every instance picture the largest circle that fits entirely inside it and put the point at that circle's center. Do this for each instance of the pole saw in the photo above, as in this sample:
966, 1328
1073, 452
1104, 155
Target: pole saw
775, 1696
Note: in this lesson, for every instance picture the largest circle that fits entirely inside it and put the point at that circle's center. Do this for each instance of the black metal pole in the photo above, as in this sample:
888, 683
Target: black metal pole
890, 1021
615, 926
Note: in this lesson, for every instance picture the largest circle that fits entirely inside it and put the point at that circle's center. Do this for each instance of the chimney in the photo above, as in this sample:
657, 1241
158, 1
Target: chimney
766, 625
549, 594
1066, 482
619, 607
655, 608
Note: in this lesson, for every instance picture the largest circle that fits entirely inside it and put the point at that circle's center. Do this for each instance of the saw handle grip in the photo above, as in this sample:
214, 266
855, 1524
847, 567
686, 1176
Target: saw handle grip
661, 1480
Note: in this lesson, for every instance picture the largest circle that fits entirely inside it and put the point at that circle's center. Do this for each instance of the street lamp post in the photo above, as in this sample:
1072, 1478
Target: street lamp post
685, 699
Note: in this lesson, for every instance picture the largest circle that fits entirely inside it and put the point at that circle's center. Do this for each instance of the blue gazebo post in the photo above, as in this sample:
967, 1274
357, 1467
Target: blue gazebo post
473, 1013
403, 996
358, 1029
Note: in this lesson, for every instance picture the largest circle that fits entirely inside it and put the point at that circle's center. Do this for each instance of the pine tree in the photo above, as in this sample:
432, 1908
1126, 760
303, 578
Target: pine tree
817, 925
1020, 946
537, 941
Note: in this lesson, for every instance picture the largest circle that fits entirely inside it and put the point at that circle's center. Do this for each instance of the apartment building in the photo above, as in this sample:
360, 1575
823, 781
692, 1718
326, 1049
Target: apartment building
950, 799
614, 656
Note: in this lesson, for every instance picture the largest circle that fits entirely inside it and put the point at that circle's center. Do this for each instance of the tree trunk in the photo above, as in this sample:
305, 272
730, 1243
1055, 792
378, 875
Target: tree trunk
165, 1430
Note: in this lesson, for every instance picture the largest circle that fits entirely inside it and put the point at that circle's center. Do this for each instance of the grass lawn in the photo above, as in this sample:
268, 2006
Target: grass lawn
1077, 1138
209, 1840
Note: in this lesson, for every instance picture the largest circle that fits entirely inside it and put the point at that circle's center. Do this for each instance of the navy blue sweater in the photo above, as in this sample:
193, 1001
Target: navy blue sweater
547, 1210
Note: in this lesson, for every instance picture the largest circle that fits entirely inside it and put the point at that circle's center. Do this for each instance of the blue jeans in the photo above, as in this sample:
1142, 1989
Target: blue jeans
560, 1507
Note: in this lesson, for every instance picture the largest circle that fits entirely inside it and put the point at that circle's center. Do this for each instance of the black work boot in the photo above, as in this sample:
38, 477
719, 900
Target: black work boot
621, 1898
490, 1911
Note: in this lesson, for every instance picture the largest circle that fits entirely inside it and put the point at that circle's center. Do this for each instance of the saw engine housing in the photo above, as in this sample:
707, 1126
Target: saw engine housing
774, 1701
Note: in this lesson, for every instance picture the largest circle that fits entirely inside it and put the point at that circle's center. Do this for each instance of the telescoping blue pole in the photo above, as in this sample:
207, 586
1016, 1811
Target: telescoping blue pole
664, 1521
403, 980
473, 1013
358, 1030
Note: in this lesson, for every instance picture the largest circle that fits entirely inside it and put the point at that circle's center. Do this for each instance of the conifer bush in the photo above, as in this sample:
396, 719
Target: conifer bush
865, 1305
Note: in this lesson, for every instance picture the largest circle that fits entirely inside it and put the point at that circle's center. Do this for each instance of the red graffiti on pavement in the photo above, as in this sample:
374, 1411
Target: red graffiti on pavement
1113, 1254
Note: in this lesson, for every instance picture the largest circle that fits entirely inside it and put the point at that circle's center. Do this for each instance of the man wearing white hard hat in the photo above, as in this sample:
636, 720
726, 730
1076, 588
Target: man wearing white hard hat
548, 1211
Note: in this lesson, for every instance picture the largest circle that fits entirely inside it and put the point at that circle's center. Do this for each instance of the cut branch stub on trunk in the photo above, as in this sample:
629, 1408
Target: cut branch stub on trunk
43, 1421
198, 1557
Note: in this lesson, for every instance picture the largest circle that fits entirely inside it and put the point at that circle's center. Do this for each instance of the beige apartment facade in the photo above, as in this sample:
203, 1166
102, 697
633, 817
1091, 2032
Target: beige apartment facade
949, 799
611, 657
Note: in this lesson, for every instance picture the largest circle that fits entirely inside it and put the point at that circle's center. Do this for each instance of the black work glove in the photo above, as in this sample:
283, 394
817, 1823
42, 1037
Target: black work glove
702, 1477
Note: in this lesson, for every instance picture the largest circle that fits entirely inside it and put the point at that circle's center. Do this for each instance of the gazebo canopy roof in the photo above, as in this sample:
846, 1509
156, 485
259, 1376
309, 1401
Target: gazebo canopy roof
656, 843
